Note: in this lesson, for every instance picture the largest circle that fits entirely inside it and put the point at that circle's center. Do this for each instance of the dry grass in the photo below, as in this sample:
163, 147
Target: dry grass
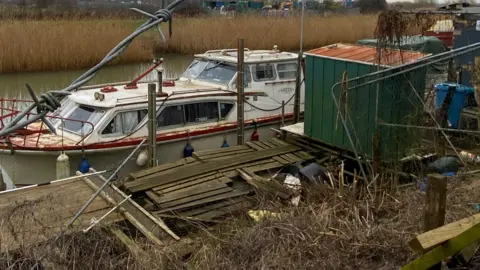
324, 232
197, 35
32, 45
70, 44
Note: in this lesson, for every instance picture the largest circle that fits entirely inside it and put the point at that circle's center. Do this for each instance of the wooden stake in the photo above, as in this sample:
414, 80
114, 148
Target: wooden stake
240, 95
435, 204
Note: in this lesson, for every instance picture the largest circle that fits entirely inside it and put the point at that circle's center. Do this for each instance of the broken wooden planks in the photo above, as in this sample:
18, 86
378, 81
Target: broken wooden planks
427, 240
263, 184
151, 181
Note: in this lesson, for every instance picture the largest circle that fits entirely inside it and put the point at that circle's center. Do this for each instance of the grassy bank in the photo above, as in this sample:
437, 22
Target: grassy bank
33, 45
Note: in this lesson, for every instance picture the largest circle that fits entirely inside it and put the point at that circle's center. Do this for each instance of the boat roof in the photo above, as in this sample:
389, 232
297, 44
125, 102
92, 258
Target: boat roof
122, 96
250, 56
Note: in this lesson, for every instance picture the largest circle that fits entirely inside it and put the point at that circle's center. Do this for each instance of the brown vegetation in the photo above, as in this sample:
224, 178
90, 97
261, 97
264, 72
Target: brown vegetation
324, 232
30, 45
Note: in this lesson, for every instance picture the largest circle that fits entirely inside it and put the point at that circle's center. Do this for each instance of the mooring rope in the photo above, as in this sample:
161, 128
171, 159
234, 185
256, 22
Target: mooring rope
50, 101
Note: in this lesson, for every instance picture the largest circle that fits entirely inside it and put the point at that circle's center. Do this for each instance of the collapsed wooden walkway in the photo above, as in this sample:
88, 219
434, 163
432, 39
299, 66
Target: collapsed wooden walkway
208, 185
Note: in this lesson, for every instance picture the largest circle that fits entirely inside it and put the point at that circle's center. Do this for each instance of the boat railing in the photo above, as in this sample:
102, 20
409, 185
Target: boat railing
11, 107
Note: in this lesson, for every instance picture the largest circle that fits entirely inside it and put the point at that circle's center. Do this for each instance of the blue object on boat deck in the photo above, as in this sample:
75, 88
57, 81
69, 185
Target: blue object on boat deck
459, 100
225, 144
188, 150
84, 166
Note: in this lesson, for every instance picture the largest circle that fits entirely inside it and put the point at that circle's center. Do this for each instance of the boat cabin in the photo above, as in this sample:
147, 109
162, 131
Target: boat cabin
203, 96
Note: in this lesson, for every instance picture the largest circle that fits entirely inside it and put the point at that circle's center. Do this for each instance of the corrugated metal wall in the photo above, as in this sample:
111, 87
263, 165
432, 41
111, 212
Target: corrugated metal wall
397, 104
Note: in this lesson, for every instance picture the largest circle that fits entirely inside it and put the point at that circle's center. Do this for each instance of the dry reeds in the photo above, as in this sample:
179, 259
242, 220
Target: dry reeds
196, 35
325, 232
59, 45
32, 45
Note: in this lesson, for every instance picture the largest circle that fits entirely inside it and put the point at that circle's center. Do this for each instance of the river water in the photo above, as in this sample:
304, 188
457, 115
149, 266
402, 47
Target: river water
12, 85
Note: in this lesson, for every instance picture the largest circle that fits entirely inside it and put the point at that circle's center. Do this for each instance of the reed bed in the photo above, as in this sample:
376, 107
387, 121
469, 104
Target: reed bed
38, 45
324, 232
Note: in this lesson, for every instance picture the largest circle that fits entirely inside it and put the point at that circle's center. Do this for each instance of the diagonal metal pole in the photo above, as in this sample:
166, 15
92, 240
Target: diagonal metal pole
104, 184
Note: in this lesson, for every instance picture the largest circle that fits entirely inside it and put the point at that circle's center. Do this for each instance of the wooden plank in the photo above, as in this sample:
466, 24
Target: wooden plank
230, 209
224, 180
127, 241
154, 225
267, 144
152, 237
156, 169
447, 249
264, 167
198, 169
278, 142
195, 197
221, 150
190, 191
427, 240
254, 146
191, 180
262, 184
224, 196
203, 209
229, 154
304, 155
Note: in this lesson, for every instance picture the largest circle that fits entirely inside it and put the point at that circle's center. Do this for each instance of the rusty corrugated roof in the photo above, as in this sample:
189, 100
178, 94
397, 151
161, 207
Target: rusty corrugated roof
365, 54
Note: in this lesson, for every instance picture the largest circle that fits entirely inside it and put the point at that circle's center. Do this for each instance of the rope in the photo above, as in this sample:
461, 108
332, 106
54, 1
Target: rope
50, 101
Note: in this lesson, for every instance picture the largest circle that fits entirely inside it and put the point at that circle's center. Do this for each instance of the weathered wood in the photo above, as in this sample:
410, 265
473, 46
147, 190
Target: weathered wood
268, 186
199, 181
127, 241
156, 169
200, 210
264, 167
436, 199
281, 160
221, 150
196, 197
224, 155
230, 209
156, 226
305, 156
254, 146
278, 142
199, 178
427, 240
198, 169
190, 191
228, 195
268, 144
446, 249
150, 235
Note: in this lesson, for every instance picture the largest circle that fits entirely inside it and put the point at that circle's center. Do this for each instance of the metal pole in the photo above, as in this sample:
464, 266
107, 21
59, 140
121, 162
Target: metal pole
160, 79
296, 102
152, 125
240, 95
104, 185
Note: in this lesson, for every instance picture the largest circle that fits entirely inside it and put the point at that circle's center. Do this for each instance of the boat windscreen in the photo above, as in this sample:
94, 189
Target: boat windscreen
195, 68
218, 72
79, 120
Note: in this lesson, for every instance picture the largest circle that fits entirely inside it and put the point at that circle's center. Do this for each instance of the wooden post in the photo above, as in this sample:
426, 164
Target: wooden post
377, 175
152, 125
240, 95
435, 203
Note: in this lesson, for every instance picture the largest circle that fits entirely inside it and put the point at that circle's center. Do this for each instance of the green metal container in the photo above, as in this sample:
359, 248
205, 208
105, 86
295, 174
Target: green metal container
397, 101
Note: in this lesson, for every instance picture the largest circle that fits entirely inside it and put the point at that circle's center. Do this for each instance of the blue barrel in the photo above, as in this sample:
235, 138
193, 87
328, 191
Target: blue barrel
459, 100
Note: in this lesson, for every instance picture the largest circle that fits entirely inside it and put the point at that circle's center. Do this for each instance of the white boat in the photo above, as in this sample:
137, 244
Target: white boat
105, 123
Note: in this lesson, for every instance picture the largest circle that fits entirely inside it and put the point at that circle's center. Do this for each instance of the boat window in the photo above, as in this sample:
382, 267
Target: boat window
83, 116
247, 77
171, 116
225, 108
125, 122
218, 72
67, 106
201, 112
195, 68
263, 72
287, 71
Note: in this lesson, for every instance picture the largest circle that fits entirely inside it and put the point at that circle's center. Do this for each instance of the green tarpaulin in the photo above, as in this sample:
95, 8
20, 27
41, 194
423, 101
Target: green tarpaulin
424, 44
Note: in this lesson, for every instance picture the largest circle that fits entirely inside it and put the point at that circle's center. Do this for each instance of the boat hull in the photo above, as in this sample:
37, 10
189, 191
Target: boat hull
39, 167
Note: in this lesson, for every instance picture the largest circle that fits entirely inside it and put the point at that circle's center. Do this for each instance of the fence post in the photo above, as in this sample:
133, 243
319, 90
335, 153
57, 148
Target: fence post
436, 199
